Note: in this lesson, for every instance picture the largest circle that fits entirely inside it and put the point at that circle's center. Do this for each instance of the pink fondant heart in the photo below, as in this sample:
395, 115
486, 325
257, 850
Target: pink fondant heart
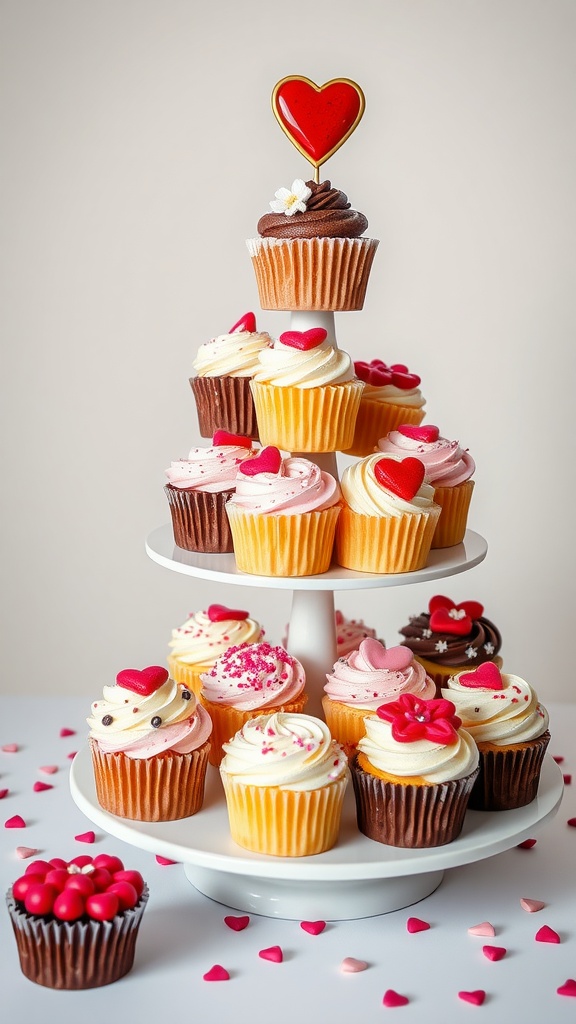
476, 997
402, 478
441, 621
532, 906
485, 928
471, 608
245, 323
237, 924
313, 927
268, 461
392, 998
426, 432
39, 787
273, 953
10, 748
568, 988
486, 676
216, 973
546, 934
494, 952
23, 852
220, 613
352, 966
415, 924
142, 681
223, 439
378, 656
304, 340
49, 769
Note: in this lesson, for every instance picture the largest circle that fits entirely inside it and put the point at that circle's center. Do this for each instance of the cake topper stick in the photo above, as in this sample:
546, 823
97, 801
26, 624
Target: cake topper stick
317, 118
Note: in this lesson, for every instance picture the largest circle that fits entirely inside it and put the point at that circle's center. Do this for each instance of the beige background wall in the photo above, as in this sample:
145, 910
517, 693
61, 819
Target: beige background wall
138, 151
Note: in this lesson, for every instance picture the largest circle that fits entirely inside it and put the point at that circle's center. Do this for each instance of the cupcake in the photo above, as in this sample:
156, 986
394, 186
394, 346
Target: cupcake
413, 774
365, 679
311, 253
199, 487
149, 741
221, 382
284, 778
306, 393
198, 642
283, 516
447, 466
510, 727
451, 638
76, 922
391, 396
388, 517
247, 681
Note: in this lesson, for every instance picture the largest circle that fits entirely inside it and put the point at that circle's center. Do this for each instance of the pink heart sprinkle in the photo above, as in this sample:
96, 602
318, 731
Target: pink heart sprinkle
352, 966
67, 732
3, 793
527, 844
546, 934
85, 837
273, 953
216, 973
39, 787
15, 822
414, 924
571, 822
532, 906
268, 460
476, 997
220, 613
237, 924
486, 676
49, 769
568, 988
567, 780
313, 927
10, 748
164, 860
494, 952
25, 851
392, 998
485, 928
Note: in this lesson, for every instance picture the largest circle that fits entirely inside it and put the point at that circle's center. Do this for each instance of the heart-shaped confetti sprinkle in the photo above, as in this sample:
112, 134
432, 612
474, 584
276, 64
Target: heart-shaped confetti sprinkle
222, 439
567, 780
426, 432
142, 681
23, 852
558, 758
352, 966
85, 837
546, 934
10, 748
485, 677
485, 928
220, 613
245, 323
164, 861
317, 118
494, 952
313, 927
216, 973
403, 478
378, 656
71, 755
268, 460
3, 793
49, 769
532, 906
392, 998
16, 821
568, 988
476, 997
39, 787
304, 340
528, 844
571, 822
67, 732
443, 621
237, 924
414, 924
273, 953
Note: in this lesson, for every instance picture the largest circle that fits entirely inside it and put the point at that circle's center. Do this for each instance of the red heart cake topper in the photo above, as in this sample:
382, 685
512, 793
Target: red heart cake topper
304, 340
471, 608
457, 623
486, 677
222, 437
268, 461
426, 432
317, 118
220, 613
402, 478
245, 323
142, 681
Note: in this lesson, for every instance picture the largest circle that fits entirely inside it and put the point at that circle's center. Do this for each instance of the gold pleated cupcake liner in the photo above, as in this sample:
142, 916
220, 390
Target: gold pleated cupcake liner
277, 545
224, 403
376, 420
307, 419
385, 544
346, 724
509, 776
454, 502
226, 721
189, 675
199, 520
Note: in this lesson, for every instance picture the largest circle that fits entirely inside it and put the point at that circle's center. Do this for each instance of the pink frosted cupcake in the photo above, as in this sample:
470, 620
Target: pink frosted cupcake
391, 396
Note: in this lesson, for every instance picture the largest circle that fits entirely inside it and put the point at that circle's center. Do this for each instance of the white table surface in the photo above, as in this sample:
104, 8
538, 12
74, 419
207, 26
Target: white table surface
183, 933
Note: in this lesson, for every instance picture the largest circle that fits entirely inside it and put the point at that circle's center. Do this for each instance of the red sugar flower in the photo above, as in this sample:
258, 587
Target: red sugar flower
416, 719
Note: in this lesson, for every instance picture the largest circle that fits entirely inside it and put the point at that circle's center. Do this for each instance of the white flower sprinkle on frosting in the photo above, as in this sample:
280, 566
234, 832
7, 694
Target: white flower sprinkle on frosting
471, 652
290, 201
441, 646
426, 633
489, 648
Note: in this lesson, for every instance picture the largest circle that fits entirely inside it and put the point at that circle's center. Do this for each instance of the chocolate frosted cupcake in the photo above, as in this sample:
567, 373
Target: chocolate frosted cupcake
450, 638
311, 253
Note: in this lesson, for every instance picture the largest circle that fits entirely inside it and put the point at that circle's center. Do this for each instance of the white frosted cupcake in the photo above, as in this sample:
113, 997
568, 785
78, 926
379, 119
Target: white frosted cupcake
204, 637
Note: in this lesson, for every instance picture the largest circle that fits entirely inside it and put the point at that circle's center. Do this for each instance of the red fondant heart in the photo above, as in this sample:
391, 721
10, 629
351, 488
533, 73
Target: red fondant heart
568, 988
392, 658
485, 677
458, 624
304, 340
317, 118
472, 608
392, 998
268, 461
216, 973
222, 437
143, 681
402, 478
237, 924
220, 613
427, 432
476, 997
245, 323
273, 953
313, 927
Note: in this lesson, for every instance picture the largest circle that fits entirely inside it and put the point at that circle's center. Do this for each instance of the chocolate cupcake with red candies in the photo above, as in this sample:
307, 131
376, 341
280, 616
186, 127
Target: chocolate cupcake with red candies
76, 922
391, 396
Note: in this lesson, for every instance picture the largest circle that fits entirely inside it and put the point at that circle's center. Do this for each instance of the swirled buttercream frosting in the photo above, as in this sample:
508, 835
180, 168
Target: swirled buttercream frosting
437, 642
446, 463
286, 366
505, 712
366, 495
231, 355
421, 758
297, 486
209, 469
372, 675
202, 639
253, 676
327, 215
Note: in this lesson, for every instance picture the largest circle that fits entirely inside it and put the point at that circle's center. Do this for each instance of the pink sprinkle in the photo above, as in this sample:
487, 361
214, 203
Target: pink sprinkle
273, 953
25, 851
15, 822
568, 988
49, 769
527, 844
85, 837
10, 748
414, 924
165, 860
567, 780
216, 973
476, 997
39, 787
558, 758
67, 732
352, 966
571, 821
532, 906
392, 998
237, 924
313, 927
486, 929
546, 934
4, 792
71, 755
494, 952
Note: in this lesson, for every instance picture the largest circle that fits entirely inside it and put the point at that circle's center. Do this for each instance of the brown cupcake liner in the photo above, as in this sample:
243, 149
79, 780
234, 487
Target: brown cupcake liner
508, 777
408, 815
375, 420
199, 519
312, 273
161, 788
455, 503
277, 545
384, 544
79, 954
307, 419
226, 721
224, 403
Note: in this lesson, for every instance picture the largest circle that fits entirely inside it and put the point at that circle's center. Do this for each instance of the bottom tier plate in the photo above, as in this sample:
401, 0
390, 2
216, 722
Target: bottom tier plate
358, 878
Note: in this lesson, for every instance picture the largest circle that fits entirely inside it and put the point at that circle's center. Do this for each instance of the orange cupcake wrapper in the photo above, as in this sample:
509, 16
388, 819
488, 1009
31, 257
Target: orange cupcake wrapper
454, 502
382, 545
277, 545
188, 675
346, 724
227, 721
307, 419
375, 420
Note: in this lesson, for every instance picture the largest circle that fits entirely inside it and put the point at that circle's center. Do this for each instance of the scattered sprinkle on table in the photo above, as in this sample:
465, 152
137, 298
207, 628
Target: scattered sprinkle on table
484, 928
216, 973
86, 837
476, 997
392, 998
494, 952
313, 927
532, 906
273, 953
237, 924
546, 934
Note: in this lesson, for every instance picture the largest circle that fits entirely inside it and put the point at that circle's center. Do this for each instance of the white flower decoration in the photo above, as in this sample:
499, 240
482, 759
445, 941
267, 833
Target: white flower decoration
426, 633
489, 648
291, 201
441, 646
471, 652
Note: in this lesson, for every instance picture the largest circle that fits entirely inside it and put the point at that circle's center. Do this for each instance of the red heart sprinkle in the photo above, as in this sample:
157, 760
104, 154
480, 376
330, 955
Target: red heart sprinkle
546, 934
220, 613
313, 927
494, 952
476, 997
402, 478
273, 953
164, 861
85, 837
571, 821
392, 998
223, 439
237, 924
216, 973
486, 676
268, 461
567, 780
558, 758
67, 732
568, 988
441, 621
426, 432
4, 792
473, 609
304, 340
72, 755
317, 118
142, 681
527, 844
16, 821
245, 323
39, 787
414, 924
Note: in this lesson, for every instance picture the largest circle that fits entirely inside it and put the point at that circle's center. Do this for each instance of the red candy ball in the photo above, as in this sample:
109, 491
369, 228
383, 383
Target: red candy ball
22, 884
126, 893
40, 898
83, 883
69, 905
57, 877
133, 877
103, 906
101, 879
57, 862
38, 867
108, 862
82, 860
